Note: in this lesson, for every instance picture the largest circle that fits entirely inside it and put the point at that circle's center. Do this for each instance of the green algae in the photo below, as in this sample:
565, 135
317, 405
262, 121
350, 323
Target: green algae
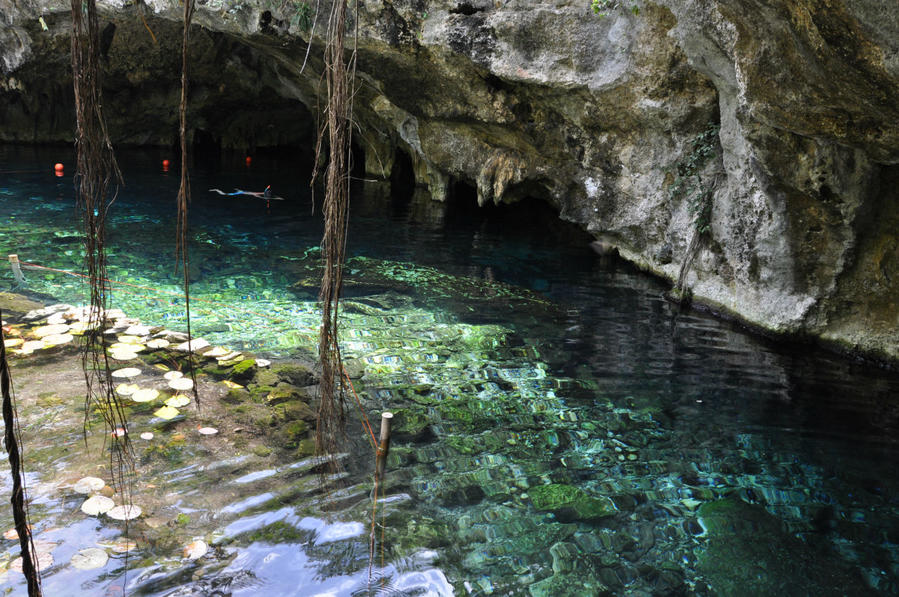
570, 503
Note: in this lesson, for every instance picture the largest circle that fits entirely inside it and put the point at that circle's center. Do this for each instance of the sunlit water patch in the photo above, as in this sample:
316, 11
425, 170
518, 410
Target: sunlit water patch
560, 428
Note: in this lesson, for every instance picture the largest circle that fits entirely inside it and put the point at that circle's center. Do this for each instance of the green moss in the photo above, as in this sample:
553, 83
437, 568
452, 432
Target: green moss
237, 396
570, 502
242, 372
294, 374
409, 422
182, 520
262, 451
305, 447
285, 392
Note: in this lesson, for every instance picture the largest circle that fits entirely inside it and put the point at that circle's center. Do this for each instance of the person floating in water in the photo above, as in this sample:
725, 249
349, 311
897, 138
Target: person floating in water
266, 194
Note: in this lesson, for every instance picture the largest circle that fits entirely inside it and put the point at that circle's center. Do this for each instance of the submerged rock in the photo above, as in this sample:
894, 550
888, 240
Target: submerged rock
568, 502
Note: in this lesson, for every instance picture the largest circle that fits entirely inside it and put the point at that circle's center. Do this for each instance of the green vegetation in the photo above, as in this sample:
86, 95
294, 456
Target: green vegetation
688, 180
602, 7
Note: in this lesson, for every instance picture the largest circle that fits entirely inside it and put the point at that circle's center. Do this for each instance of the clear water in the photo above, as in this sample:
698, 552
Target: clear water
515, 358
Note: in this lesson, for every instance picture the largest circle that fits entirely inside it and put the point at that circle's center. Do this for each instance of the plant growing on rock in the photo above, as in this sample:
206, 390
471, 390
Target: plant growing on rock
688, 180
602, 7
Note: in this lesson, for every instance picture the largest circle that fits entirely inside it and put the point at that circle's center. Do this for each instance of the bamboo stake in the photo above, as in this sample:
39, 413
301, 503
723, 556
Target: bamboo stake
383, 444
16, 269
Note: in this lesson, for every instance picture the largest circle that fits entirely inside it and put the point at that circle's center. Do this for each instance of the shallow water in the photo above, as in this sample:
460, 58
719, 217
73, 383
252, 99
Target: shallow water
514, 358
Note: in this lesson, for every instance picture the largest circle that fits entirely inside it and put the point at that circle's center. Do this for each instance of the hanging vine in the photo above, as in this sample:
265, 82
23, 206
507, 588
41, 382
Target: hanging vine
181, 248
97, 179
339, 76
12, 443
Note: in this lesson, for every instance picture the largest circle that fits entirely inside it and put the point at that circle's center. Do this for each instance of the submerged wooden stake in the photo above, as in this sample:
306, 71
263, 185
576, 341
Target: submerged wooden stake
16, 269
383, 444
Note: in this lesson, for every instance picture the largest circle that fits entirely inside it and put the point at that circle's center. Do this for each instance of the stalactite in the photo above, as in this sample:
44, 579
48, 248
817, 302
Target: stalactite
97, 179
181, 248
339, 76
19, 507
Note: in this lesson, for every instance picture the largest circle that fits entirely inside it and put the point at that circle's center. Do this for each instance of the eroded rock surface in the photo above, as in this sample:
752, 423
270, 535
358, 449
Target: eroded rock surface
519, 98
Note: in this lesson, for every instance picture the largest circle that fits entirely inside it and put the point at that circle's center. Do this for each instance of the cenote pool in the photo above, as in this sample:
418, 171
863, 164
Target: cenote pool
561, 428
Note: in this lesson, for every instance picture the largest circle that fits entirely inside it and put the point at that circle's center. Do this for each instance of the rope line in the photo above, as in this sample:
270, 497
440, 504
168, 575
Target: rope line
365, 422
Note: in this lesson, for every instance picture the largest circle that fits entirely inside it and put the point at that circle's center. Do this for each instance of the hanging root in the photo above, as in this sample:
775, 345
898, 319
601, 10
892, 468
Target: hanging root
12, 442
96, 185
181, 248
338, 79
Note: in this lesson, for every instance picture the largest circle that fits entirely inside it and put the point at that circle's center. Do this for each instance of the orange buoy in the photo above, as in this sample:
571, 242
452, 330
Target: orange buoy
58, 166
165, 163
249, 160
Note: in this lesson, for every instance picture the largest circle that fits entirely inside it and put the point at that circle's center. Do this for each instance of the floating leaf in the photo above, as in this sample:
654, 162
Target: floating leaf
121, 355
89, 558
50, 330
126, 372
166, 412
263, 362
161, 366
97, 504
195, 549
13, 342
195, 345
89, 485
208, 430
182, 383
177, 401
145, 395
127, 389
146, 435
125, 339
57, 339
44, 561
173, 375
216, 352
157, 343
127, 512
31, 346
231, 356
231, 384
124, 545
78, 328
126, 347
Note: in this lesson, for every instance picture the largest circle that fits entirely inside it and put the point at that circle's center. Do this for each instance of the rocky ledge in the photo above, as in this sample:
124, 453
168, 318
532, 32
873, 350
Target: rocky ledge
747, 151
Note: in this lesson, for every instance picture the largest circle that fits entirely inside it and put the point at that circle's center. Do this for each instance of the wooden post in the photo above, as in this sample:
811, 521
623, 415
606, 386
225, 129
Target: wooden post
383, 445
16, 270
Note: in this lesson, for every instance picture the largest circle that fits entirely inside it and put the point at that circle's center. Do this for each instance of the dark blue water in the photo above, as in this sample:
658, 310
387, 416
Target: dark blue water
517, 359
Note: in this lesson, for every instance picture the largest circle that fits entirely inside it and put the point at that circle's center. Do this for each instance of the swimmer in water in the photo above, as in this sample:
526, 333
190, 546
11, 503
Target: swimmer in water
266, 194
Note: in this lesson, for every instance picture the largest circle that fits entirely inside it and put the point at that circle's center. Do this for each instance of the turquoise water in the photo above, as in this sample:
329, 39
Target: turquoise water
685, 456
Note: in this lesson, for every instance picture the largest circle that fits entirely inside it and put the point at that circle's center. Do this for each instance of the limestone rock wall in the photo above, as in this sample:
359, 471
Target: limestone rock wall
542, 98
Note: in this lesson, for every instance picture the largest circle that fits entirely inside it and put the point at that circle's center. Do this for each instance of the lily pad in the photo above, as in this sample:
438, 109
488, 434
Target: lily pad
127, 389
44, 561
126, 339
166, 412
121, 355
177, 401
127, 512
157, 343
147, 435
57, 339
216, 352
195, 550
182, 383
145, 395
123, 545
89, 485
173, 375
96, 505
32, 345
90, 558
263, 363
50, 330
207, 430
125, 347
195, 344
12, 342
126, 372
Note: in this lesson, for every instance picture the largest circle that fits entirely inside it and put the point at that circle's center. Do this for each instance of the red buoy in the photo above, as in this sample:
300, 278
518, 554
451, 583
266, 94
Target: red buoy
249, 160
165, 163
58, 166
